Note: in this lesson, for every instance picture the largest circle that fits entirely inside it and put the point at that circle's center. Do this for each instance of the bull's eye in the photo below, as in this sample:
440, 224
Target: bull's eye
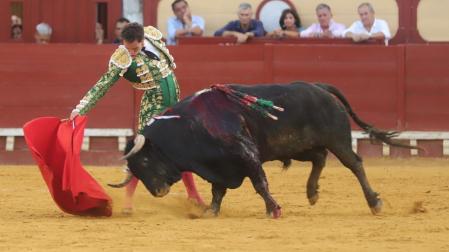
145, 161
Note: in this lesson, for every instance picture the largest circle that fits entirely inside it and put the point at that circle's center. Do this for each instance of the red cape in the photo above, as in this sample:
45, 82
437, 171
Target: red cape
56, 146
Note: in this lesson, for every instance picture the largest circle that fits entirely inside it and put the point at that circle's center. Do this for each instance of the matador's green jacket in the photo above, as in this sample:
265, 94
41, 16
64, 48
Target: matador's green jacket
156, 77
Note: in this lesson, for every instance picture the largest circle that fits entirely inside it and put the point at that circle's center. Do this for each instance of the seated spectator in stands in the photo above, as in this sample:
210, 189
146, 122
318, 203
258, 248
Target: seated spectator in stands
183, 24
99, 33
15, 20
243, 28
290, 25
326, 27
43, 33
16, 32
119, 25
368, 27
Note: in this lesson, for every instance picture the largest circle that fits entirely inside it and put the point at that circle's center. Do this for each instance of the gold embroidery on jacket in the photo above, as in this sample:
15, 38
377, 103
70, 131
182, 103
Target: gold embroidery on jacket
139, 60
144, 86
146, 78
121, 58
152, 33
142, 70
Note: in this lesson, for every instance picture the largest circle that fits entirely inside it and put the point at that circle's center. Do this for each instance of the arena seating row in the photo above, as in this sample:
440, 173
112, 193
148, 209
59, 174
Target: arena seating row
265, 40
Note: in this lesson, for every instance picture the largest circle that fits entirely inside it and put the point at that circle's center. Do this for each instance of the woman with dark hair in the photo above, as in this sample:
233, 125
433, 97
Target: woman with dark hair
290, 25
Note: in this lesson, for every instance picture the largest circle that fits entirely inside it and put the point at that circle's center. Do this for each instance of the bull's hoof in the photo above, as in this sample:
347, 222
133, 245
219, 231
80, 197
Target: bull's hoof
127, 211
314, 199
276, 213
210, 213
377, 208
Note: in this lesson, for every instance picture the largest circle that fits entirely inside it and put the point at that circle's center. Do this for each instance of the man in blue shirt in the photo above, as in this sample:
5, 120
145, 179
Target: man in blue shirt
183, 24
243, 28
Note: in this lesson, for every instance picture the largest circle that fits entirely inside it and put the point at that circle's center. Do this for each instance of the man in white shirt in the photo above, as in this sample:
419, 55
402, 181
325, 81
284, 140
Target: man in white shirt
368, 27
183, 24
43, 33
326, 27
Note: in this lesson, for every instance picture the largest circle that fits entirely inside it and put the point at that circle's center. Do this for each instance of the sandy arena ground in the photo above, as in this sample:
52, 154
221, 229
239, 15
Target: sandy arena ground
341, 220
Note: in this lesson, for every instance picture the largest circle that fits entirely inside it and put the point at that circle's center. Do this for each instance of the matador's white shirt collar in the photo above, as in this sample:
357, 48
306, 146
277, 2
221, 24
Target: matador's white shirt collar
150, 47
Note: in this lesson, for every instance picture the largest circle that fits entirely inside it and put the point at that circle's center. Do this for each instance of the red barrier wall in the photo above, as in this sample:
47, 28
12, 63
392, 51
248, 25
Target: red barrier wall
41, 80
404, 87
354, 69
427, 93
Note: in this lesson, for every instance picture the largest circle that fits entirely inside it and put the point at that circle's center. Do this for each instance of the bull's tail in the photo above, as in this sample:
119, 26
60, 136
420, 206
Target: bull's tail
374, 134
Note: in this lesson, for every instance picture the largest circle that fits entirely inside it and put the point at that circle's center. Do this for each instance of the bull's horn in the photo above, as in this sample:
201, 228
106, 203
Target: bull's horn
128, 178
139, 141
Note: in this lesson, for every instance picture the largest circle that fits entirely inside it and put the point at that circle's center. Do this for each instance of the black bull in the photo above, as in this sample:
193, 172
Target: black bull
223, 141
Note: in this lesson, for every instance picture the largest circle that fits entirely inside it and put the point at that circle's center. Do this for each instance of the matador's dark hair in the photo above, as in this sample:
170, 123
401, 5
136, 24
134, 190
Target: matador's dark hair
133, 32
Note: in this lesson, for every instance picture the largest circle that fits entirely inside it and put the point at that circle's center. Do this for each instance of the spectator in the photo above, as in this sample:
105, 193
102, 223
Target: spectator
183, 24
16, 32
243, 28
326, 27
368, 27
99, 33
43, 33
15, 20
119, 25
290, 25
